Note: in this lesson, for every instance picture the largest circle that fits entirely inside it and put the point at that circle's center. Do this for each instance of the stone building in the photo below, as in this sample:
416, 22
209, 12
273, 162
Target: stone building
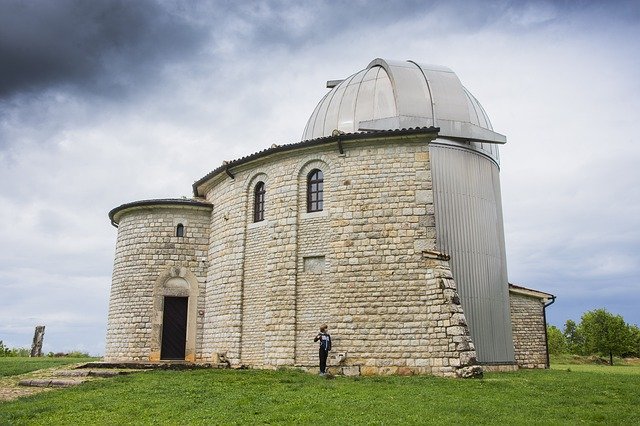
384, 222
529, 325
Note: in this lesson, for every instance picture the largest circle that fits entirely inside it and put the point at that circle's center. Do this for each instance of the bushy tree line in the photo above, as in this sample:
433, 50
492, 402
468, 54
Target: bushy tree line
7, 351
598, 333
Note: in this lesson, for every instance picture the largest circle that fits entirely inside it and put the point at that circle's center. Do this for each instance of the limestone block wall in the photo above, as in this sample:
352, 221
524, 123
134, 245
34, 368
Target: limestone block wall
151, 262
359, 265
314, 289
224, 291
381, 222
529, 336
254, 297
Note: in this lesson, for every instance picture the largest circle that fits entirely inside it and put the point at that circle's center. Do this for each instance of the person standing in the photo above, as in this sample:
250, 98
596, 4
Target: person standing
325, 346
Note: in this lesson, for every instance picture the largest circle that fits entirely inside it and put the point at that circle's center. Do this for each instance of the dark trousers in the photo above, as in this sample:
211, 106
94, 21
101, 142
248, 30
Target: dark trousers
323, 360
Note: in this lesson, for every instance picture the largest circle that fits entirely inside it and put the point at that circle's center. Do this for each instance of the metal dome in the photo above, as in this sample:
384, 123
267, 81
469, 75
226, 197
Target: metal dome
395, 95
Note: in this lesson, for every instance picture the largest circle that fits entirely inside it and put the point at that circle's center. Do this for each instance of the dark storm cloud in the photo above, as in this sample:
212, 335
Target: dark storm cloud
301, 25
298, 24
100, 45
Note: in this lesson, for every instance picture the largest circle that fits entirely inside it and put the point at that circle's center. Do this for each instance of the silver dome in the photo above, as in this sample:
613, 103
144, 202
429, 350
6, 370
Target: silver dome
395, 95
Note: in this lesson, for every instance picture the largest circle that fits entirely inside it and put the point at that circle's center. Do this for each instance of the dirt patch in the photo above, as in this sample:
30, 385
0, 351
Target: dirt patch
10, 389
50, 378
11, 393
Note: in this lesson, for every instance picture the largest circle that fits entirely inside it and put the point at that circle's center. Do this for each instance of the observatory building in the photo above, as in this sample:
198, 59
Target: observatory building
384, 222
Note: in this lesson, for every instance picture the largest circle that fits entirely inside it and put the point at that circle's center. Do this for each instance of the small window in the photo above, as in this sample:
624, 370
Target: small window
258, 202
180, 230
315, 186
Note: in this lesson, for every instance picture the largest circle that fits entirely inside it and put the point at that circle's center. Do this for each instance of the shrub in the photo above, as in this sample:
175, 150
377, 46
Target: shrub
7, 352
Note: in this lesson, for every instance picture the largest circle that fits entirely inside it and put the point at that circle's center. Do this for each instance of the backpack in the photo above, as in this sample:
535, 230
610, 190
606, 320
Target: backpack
327, 343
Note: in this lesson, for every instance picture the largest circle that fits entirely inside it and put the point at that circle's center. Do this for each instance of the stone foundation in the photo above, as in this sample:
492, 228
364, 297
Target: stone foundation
500, 368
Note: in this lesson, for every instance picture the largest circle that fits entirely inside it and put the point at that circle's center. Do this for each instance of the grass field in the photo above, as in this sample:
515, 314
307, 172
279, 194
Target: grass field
11, 366
555, 396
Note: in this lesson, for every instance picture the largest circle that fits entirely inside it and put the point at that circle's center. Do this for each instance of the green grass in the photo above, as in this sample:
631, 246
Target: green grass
602, 369
12, 366
291, 397
591, 359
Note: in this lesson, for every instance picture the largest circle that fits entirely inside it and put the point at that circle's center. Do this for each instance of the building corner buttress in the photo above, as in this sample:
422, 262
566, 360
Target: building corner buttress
454, 352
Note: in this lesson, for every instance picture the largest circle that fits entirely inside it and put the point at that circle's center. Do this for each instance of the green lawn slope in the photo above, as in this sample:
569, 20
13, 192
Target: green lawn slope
206, 397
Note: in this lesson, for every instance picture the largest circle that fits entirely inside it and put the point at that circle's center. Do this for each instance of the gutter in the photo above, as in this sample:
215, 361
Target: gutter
546, 334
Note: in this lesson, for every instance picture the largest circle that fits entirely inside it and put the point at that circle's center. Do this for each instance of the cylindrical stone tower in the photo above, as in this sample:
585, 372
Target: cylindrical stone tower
156, 307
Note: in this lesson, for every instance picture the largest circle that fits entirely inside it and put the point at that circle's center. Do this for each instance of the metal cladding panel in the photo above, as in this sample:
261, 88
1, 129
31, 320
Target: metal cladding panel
366, 91
330, 118
411, 91
468, 212
316, 122
348, 105
384, 103
448, 94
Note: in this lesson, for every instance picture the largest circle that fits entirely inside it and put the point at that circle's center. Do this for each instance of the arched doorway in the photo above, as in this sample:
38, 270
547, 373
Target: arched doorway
175, 316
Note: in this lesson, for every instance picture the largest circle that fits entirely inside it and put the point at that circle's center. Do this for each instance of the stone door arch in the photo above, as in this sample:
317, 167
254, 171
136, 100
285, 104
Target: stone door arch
176, 282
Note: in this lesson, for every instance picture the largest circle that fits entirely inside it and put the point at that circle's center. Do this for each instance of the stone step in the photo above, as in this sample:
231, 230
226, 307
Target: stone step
82, 373
50, 383
110, 373
72, 373
68, 378
146, 365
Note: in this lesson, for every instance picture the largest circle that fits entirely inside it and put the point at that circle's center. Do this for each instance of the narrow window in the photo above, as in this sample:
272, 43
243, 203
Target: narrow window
315, 184
180, 230
258, 202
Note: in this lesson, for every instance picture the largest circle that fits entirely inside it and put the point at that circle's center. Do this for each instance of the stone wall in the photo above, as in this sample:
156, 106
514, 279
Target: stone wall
529, 336
152, 262
358, 265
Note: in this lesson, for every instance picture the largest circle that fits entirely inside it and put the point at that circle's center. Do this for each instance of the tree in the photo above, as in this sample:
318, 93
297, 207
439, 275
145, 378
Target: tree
573, 337
634, 341
557, 341
604, 333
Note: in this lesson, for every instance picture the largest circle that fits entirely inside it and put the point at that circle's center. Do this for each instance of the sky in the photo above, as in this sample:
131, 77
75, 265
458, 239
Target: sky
105, 102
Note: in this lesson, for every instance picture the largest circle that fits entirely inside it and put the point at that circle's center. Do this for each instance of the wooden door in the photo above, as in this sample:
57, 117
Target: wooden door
174, 328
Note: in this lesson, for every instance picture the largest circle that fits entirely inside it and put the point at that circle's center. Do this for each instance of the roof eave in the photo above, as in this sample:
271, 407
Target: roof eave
114, 213
343, 137
530, 292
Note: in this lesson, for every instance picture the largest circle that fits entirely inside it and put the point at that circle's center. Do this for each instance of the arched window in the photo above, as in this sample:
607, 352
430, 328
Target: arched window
315, 184
258, 202
180, 230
